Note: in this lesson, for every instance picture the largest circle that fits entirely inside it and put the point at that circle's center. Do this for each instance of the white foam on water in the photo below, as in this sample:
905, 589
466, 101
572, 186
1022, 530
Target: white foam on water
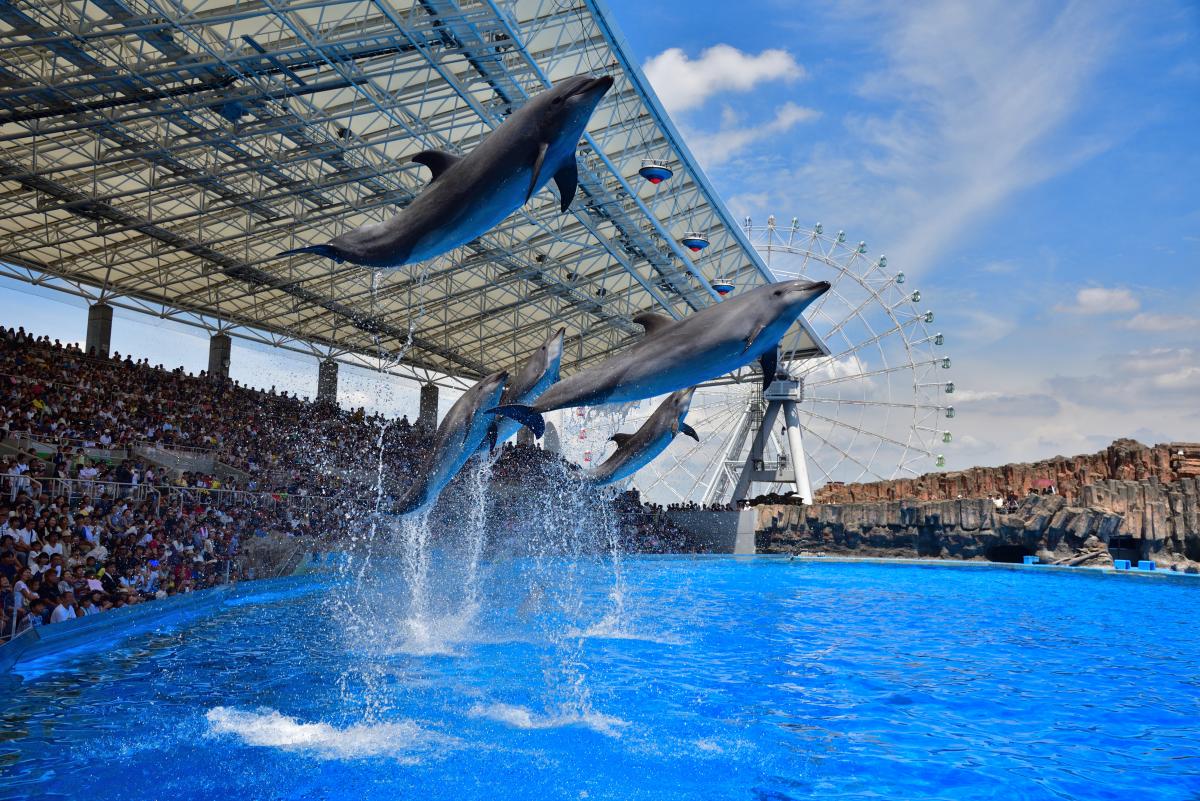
520, 717
268, 728
609, 629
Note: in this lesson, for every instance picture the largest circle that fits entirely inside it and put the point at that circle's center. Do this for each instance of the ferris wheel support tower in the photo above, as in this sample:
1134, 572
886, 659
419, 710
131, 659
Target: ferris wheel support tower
783, 395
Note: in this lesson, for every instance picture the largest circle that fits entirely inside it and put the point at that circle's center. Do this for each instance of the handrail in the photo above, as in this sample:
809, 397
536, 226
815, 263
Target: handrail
124, 445
79, 487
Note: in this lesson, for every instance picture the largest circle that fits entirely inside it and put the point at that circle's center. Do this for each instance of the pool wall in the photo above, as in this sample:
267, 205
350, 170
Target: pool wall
100, 631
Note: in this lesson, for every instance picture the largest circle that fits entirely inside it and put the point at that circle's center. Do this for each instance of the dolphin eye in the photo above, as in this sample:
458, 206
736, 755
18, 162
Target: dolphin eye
556, 101
778, 292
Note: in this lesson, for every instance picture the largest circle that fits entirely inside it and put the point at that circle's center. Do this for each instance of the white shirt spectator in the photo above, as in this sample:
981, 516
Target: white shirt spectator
62, 613
20, 591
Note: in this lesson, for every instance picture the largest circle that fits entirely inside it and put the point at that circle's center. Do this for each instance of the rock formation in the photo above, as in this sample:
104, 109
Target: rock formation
1115, 518
1124, 460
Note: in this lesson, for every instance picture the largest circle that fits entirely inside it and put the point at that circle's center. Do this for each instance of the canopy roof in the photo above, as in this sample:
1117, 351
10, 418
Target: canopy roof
160, 155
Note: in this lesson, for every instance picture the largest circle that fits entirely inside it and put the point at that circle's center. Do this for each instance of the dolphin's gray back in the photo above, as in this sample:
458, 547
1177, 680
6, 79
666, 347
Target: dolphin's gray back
646, 437
668, 359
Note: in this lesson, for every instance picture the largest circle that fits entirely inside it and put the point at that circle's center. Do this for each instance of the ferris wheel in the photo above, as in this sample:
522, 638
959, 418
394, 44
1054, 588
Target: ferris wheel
872, 405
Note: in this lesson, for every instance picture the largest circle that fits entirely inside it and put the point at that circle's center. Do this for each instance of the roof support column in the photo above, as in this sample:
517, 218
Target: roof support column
99, 330
220, 347
427, 413
327, 382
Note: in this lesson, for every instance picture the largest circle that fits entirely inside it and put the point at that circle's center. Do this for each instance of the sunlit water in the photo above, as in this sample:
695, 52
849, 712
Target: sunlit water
719, 678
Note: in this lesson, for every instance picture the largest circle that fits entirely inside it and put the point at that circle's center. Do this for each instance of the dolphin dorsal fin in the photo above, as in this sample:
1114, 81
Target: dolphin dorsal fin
652, 322
620, 439
438, 161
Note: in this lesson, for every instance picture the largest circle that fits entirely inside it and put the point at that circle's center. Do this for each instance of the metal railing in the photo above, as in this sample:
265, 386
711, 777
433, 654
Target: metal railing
163, 496
28, 440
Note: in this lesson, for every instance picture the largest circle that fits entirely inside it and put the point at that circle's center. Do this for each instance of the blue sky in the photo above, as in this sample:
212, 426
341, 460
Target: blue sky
1031, 166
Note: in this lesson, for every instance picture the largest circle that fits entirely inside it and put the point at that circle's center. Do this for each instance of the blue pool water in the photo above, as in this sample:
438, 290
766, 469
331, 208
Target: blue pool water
708, 678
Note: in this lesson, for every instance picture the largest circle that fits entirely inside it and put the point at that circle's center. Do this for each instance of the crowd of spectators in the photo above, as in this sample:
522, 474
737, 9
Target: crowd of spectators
90, 521
64, 558
59, 396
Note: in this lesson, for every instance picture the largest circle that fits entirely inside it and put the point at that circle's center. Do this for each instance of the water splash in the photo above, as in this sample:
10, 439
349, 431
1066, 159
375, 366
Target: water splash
268, 728
417, 586
478, 480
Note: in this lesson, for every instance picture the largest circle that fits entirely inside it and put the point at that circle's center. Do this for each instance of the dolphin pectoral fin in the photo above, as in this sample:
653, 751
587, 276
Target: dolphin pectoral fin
753, 336
691, 432
620, 439
524, 415
652, 322
567, 180
536, 173
438, 161
329, 251
770, 365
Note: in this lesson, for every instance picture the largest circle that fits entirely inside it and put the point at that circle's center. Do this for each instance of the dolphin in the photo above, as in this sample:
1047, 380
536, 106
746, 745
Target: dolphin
469, 195
458, 437
635, 451
675, 354
538, 374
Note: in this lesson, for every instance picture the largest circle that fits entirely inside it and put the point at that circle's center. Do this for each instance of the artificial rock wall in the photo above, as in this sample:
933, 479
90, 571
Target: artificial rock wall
1123, 460
1131, 519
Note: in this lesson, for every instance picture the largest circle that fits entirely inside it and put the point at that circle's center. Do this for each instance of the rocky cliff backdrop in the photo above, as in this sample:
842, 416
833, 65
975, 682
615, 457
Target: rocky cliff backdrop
1129, 501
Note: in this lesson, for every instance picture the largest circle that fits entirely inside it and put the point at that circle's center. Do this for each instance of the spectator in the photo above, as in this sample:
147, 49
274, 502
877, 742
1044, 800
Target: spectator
65, 609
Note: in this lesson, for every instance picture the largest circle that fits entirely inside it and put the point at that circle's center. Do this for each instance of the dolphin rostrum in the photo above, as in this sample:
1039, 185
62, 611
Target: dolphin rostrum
675, 354
469, 195
458, 437
635, 451
538, 374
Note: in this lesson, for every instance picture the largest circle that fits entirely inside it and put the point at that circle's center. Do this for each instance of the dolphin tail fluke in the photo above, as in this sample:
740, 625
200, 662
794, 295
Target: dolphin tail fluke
525, 415
327, 250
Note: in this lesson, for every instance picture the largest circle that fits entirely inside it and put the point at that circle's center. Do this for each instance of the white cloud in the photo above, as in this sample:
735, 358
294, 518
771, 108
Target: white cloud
724, 144
1101, 300
1000, 267
1139, 380
1163, 323
682, 83
967, 109
1004, 404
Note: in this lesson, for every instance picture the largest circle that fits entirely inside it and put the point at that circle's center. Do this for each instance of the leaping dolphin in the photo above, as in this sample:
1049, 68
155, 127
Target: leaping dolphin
675, 354
538, 374
469, 195
635, 451
458, 437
